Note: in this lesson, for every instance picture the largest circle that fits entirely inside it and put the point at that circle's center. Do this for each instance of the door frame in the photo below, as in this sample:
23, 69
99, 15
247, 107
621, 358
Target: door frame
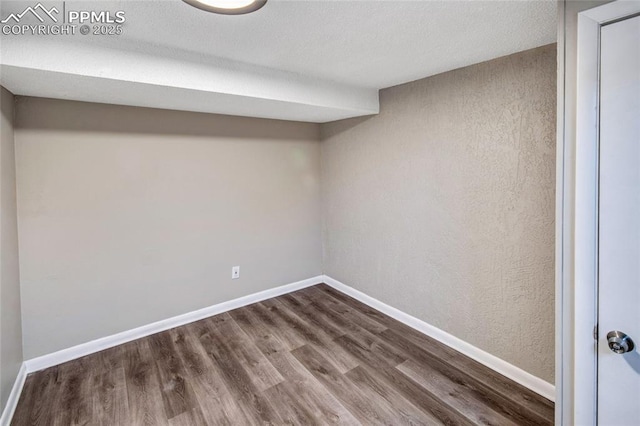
578, 314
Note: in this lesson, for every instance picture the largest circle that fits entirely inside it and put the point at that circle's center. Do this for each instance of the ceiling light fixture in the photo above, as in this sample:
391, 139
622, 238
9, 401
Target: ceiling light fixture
228, 7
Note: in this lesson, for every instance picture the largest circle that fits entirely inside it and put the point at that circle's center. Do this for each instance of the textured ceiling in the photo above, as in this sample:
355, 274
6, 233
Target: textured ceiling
364, 43
361, 44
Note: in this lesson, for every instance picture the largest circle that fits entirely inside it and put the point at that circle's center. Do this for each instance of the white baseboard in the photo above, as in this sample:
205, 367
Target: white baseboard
516, 374
14, 396
64, 355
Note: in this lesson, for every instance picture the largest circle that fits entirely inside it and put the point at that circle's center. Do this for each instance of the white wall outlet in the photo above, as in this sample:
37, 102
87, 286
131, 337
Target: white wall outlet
235, 272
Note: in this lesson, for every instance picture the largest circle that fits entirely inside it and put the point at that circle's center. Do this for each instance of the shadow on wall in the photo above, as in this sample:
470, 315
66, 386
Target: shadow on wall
55, 114
342, 126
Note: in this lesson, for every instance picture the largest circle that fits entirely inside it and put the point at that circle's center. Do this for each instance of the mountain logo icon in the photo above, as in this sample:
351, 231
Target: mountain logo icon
38, 11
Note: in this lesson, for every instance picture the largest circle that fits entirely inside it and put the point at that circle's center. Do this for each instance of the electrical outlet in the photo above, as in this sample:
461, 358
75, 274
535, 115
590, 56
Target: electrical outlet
235, 272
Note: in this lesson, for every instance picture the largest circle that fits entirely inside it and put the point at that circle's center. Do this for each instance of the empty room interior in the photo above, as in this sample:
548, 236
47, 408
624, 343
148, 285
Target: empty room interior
311, 212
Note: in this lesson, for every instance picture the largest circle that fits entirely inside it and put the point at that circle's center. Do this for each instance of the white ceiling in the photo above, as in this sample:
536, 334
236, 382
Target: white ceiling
302, 60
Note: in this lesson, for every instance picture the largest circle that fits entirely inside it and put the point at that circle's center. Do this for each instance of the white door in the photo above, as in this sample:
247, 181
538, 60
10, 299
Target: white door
619, 224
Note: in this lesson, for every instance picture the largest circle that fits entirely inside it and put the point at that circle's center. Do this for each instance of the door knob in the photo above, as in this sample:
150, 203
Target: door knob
619, 342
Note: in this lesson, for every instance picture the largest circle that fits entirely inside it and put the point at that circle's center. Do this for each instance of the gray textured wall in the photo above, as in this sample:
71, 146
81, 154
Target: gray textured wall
10, 315
443, 204
131, 215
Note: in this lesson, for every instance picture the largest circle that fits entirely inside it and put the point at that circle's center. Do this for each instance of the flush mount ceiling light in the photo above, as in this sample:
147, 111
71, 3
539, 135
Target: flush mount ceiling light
228, 7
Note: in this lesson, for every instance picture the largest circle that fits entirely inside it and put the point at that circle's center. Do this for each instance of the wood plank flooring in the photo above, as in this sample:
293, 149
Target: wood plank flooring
315, 356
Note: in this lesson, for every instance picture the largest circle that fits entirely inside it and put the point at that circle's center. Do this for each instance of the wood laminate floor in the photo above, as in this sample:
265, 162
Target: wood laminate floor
314, 356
